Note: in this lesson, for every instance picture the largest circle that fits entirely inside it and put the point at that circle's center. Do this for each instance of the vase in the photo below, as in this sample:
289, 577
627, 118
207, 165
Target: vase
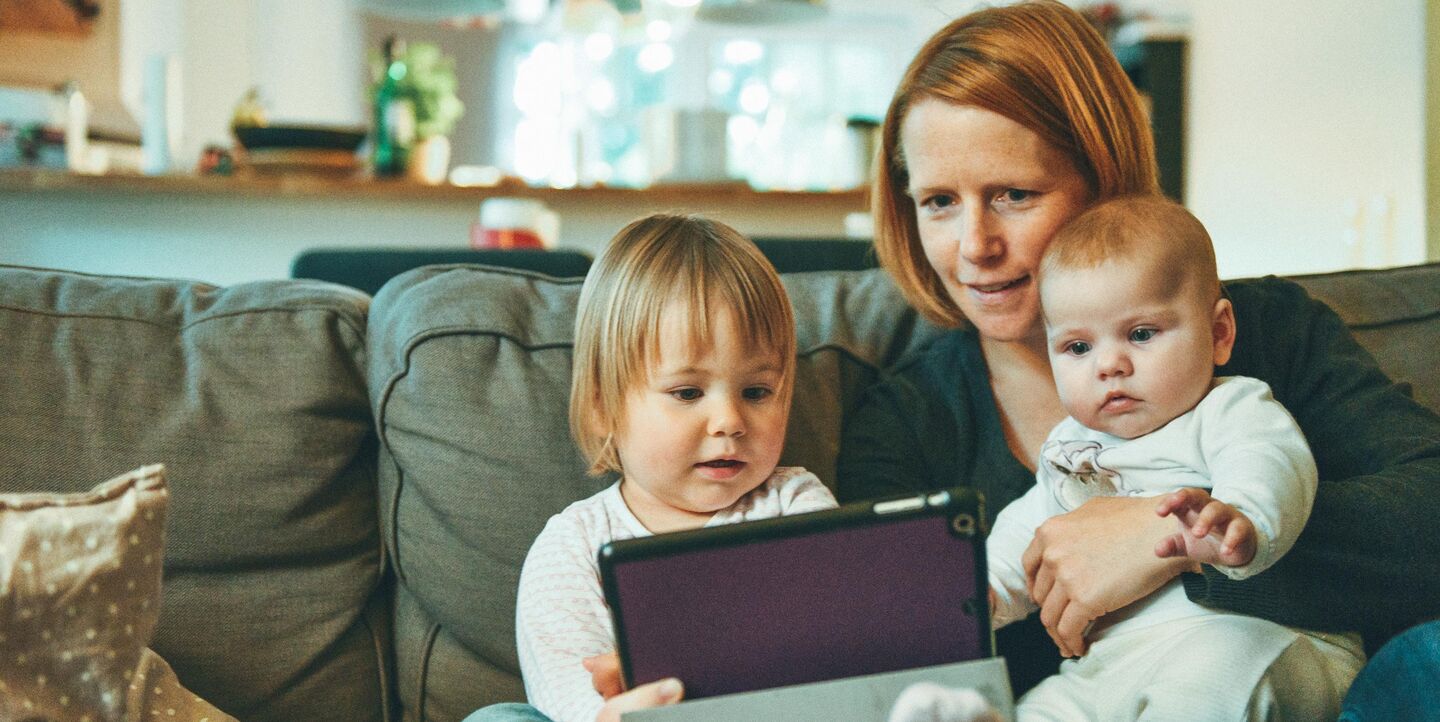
430, 160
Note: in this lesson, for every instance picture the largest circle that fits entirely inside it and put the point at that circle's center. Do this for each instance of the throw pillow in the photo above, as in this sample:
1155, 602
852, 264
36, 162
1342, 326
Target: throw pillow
79, 598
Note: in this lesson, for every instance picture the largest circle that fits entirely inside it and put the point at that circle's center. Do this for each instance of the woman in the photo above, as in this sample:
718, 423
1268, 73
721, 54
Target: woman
1008, 123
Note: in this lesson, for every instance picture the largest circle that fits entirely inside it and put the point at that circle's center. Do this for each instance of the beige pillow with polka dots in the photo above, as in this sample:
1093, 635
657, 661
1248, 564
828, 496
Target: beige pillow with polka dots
79, 598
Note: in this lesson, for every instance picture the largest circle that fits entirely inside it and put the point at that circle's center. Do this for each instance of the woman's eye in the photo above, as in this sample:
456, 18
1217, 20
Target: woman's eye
1077, 348
688, 394
1015, 195
1141, 335
936, 202
757, 393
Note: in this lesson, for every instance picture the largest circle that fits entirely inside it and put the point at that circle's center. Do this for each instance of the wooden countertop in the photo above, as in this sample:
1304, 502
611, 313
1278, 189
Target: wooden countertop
322, 187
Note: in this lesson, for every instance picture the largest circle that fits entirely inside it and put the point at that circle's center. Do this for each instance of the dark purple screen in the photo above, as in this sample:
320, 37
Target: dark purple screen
864, 600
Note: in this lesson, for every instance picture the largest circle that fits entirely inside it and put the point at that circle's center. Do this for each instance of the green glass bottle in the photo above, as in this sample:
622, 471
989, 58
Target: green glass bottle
394, 114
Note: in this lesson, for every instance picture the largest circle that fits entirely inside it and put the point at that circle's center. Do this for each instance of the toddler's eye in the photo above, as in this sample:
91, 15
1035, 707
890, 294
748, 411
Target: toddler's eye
686, 394
757, 393
1141, 335
1077, 348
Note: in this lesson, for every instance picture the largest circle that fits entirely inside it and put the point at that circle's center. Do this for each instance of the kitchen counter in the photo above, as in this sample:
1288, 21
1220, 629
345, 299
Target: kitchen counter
233, 229
321, 186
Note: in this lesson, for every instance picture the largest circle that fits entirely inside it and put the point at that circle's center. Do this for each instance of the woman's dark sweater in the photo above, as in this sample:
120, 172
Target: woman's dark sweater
1369, 557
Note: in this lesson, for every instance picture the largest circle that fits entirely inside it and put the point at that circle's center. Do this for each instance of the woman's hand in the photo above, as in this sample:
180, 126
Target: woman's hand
604, 672
1094, 560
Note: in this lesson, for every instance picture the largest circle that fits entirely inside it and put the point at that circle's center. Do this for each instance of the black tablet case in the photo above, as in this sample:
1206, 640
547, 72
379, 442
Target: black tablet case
867, 588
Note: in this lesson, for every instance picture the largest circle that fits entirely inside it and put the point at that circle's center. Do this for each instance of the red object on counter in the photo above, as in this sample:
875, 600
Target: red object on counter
492, 238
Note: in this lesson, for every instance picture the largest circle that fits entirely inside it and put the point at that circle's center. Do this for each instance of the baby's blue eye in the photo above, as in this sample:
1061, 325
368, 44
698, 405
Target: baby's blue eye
1141, 335
688, 394
1077, 348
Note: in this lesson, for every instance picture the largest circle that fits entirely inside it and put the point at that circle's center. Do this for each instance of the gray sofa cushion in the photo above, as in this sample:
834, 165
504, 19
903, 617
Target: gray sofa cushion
1394, 314
254, 398
470, 378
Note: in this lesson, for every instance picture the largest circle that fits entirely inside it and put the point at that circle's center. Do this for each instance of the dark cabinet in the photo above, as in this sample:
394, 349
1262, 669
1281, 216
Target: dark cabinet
1157, 68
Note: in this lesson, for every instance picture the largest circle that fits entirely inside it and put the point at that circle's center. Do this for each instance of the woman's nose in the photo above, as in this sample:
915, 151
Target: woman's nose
979, 241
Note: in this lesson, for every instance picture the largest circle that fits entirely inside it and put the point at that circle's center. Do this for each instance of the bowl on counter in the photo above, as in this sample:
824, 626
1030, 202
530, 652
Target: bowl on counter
312, 149
320, 137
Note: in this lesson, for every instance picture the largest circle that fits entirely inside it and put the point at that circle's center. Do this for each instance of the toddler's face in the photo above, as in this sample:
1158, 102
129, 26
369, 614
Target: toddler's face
706, 426
1130, 350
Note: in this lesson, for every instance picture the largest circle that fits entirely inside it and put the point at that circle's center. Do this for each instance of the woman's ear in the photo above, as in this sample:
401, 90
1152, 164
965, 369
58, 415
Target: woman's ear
1222, 330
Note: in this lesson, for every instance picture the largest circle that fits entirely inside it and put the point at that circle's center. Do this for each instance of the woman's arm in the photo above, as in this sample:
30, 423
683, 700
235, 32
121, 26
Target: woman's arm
1369, 557
1089, 562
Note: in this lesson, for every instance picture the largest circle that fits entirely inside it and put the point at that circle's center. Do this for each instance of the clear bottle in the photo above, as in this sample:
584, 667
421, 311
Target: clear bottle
77, 128
394, 114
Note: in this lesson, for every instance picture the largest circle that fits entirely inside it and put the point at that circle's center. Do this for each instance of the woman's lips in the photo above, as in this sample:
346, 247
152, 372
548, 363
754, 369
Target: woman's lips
720, 469
995, 292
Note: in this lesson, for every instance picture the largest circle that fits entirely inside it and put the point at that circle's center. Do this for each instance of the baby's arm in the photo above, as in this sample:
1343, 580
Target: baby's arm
1004, 548
1260, 465
561, 619
1212, 532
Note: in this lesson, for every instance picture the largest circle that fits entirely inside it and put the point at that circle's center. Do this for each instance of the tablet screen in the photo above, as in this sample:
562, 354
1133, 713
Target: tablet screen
802, 599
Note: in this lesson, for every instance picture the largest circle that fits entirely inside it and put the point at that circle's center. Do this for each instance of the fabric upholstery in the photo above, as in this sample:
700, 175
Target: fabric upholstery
254, 398
470, 377
1395, 315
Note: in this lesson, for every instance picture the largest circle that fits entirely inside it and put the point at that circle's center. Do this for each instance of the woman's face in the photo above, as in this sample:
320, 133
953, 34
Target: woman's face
989, 195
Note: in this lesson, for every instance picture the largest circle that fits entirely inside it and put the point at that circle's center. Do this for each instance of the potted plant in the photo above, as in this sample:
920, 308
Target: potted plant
427, 84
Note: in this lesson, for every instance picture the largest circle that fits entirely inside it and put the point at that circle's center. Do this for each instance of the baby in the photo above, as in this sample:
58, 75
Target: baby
683, 373
1136, 321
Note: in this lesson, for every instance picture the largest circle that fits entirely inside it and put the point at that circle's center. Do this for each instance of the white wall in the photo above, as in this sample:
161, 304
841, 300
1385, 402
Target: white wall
226, 238
1306, 133
306, 58
1305, 117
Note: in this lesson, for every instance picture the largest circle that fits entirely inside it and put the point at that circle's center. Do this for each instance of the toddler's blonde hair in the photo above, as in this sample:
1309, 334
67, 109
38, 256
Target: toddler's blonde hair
651, 263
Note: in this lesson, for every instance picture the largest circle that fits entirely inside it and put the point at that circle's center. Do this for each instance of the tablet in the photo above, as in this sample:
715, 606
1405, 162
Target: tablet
866, 588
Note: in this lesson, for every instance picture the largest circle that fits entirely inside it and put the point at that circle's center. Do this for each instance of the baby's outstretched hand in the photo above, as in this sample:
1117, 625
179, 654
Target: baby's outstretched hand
1211, 531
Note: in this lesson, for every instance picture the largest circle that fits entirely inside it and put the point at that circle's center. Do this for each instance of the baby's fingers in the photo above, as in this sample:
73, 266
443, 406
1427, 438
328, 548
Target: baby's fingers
1170, 546
1188, 498
1216, 513
1238, 546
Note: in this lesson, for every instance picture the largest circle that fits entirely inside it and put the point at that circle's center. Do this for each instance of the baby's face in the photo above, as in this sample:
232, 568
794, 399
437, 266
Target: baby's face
1132, 347
705, 428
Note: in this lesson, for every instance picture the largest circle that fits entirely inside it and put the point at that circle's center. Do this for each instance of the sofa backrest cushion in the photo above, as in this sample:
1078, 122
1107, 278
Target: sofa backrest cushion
254, 398
1395, 314
470, 381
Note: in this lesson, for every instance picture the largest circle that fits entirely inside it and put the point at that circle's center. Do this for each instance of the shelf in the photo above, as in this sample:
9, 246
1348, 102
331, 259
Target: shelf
326, 188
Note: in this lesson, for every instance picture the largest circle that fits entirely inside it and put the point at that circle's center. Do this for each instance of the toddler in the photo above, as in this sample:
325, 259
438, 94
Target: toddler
683, 372
1135, 323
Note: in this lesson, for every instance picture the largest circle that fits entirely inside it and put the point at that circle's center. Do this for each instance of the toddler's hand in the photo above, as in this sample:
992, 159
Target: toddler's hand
1211, 531
604, 672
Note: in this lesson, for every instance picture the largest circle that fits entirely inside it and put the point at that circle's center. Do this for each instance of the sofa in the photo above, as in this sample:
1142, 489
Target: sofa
354, 481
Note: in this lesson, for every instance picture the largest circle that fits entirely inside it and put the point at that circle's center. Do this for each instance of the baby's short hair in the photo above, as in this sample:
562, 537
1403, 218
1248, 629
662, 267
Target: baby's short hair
1149, 228
649, 264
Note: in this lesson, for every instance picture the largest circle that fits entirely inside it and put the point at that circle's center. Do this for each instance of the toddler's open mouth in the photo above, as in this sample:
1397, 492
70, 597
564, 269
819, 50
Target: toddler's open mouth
720, 469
